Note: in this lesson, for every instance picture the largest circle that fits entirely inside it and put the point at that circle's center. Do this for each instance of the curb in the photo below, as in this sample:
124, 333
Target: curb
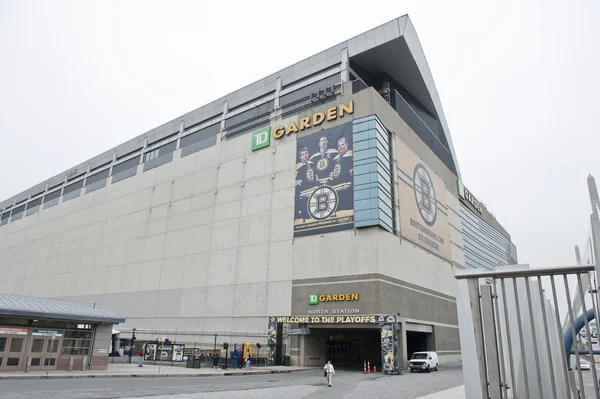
64, 377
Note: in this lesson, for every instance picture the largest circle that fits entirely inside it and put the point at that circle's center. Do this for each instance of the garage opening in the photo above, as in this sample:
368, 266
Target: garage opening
347, 348
418, 341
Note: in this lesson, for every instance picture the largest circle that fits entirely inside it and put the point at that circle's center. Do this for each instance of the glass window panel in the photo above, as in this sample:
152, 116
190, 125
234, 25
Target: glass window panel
35, 361
365, 186
37, 346
16, 345
385, 209
362, 169
2, 343
362, 215
52, 348
78, 334
360, 127
383, 180
365, 223
387, 220
366, 178
361, 194
361, 145
13, 361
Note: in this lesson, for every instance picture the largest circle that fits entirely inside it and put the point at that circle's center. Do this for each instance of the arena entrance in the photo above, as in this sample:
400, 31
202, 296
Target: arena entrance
347, 347
347, 341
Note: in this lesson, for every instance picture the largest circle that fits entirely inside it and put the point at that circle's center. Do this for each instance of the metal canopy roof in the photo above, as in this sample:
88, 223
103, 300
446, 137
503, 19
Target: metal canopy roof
45, 308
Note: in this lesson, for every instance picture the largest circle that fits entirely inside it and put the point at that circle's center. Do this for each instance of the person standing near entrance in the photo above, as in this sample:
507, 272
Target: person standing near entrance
141, 358
330, 372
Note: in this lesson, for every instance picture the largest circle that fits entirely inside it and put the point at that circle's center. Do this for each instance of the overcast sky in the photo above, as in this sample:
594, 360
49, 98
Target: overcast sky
518, 82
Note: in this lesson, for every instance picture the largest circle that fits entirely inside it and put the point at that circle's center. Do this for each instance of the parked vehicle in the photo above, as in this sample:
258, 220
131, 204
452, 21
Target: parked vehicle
424, 361
584, 365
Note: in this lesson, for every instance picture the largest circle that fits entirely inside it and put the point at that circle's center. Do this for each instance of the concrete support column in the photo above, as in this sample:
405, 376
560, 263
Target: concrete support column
402, 348
278, 86
345, 69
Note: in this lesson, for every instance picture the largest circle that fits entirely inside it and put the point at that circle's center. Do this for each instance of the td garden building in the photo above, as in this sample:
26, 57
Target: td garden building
316, 211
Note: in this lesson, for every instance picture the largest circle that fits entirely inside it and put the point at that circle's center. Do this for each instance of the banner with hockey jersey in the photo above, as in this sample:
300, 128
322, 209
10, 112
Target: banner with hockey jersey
324, 199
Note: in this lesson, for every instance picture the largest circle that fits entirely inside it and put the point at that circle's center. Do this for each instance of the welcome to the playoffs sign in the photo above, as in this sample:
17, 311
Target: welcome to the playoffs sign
371, 319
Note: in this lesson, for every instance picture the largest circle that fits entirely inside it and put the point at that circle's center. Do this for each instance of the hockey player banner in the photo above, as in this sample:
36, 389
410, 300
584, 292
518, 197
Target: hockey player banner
324, 198
389, 347
272, 340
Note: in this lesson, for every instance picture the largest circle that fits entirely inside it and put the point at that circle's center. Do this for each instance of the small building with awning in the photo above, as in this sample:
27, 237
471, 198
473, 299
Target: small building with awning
49, 334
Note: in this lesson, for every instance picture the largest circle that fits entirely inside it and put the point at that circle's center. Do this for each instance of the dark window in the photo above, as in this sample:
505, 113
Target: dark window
247, 120
72, 187
126, 165
34, 203
160, 151
319, 92
50, 196
201, 134
97, 177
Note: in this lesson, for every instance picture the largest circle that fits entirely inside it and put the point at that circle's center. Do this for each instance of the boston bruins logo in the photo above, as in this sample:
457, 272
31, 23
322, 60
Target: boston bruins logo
322, 203
337, 170
425, 195
322, 164
310, 174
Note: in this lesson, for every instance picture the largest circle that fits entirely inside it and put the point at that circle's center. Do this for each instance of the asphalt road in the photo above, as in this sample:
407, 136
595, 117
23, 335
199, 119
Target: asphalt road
304, 384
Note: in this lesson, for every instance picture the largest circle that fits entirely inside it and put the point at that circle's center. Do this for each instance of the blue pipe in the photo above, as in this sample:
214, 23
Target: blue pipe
568, 335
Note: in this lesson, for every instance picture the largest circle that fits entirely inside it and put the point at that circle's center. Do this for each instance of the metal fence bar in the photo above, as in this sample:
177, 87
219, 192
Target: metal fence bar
521, 341
560, 338
572, 324
501, 346
588, 332
533, 335
510, 356
478, 330
547, 335
491, 343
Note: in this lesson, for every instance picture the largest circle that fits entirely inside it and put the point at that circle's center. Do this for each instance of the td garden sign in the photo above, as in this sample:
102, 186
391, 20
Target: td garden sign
370, 319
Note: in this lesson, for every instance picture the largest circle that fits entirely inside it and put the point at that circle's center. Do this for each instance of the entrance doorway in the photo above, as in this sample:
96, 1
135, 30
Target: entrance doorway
43, 353
11, 353
338, 352
347, 348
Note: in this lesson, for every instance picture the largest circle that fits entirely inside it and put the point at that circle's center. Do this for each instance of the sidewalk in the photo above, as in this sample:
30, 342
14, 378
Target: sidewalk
148, 371
452, 393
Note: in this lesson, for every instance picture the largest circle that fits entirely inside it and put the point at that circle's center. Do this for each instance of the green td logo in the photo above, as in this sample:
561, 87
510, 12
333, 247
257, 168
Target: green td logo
313, 299
261, 138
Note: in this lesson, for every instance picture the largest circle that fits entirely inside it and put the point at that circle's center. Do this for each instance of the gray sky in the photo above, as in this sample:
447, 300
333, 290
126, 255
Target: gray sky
518, 82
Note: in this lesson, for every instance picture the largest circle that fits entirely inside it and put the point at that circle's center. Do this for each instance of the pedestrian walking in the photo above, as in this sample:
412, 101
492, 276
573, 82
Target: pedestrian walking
241, 359
141, 358
248, 363
330, 372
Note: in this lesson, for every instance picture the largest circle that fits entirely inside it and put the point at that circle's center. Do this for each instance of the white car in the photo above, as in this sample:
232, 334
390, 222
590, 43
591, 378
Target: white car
584, 365
424, 361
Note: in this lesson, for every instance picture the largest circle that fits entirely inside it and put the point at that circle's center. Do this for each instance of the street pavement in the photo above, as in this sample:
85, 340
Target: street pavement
300, 384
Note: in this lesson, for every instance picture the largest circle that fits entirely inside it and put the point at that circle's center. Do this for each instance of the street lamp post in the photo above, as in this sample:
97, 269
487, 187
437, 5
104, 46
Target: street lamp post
131, 344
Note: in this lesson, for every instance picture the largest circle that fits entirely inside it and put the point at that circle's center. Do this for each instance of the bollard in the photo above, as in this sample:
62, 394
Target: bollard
364, 367
374, 369
368, 367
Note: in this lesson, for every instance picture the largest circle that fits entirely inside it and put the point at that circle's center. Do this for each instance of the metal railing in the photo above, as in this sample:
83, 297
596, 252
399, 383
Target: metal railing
512, 340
